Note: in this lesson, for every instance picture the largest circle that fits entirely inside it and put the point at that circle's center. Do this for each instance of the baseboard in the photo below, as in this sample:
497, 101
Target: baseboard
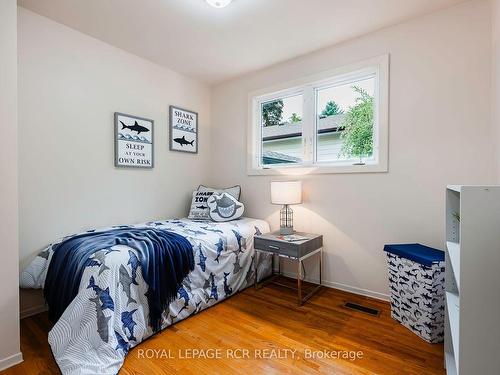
343, 287
355, 290
11, 361
30, 311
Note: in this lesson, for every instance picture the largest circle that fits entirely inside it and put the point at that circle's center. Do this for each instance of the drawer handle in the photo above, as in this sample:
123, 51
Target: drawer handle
273, 247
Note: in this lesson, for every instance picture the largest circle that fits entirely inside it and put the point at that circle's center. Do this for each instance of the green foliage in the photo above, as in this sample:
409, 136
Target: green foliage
358, 127
295, 118
272, 113
331, 109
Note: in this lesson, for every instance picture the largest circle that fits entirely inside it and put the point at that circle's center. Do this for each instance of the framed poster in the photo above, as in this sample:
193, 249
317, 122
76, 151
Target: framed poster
133, 141
183, 130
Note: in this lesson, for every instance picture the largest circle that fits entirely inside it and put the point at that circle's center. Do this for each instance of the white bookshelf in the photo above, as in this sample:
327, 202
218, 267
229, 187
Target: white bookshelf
455, 188
454, 254
472, 328
453, 310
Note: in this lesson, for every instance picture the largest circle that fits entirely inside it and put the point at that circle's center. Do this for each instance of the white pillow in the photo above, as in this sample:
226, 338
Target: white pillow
235, 191
199, 207
224, 207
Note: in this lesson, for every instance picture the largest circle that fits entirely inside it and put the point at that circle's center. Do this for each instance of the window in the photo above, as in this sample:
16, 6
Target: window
281, 130
335, 122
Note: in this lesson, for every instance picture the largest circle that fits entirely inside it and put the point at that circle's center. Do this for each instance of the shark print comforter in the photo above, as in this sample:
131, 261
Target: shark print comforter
109, 316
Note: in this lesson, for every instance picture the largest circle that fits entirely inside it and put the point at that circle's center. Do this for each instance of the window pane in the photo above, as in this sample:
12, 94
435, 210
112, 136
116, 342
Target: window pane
281, 129
344, 122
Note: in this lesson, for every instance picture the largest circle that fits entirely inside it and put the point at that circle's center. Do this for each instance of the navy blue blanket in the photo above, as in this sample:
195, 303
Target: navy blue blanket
166, 258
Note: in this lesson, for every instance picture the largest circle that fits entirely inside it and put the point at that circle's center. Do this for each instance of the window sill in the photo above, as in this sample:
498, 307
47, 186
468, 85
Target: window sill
317, 169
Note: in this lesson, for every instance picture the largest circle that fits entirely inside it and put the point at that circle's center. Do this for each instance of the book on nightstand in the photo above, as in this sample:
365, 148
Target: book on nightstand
292, 237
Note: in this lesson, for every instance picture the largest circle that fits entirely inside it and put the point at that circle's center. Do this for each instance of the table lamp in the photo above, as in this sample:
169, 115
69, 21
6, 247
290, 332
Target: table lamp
286, 193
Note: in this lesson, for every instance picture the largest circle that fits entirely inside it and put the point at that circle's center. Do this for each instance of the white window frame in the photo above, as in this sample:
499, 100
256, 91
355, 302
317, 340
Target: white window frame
308, 86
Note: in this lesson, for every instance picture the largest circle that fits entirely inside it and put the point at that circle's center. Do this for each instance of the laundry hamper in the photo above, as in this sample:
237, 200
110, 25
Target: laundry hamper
416, 281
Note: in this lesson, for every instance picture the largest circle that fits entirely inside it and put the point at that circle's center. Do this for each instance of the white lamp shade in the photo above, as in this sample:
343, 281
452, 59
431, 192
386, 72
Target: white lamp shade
219, 3
286, 192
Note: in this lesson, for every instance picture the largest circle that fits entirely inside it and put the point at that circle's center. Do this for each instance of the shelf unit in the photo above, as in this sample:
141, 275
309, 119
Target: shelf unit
472, 280
454, 255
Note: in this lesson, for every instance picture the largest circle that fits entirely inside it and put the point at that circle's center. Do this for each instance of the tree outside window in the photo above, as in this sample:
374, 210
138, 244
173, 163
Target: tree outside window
331, 109
272, 113
357, 135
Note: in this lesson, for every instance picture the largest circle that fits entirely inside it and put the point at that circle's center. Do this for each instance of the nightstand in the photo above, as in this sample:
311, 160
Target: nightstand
296, 250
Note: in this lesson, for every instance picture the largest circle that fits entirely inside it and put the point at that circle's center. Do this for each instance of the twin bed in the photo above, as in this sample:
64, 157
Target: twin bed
109, 314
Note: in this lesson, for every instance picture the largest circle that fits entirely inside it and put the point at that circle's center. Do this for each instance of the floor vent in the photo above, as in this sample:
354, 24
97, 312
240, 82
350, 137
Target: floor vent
367, 310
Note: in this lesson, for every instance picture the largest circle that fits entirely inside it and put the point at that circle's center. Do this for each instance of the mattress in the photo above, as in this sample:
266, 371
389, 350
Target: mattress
109, 315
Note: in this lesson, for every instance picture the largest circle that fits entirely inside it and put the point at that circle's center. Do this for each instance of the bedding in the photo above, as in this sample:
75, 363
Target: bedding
165, 259
110, 312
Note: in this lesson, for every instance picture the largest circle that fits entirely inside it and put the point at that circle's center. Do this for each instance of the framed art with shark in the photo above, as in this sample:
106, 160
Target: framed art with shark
133, 141
183, 130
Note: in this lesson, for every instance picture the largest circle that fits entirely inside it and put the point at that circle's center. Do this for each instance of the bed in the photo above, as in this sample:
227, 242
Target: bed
93, 337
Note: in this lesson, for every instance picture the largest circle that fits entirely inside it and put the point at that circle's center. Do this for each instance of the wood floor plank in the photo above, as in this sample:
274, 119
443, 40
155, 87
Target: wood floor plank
263, 322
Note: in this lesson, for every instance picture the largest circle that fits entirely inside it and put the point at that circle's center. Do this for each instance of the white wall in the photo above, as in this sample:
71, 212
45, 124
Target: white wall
439, 134
495, 79
9, 248
69, 87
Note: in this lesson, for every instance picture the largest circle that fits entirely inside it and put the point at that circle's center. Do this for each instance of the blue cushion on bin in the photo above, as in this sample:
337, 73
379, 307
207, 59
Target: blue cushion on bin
418, 253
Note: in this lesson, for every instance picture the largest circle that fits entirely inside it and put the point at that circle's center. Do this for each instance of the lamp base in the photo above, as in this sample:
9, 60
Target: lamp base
286, 230
286, 220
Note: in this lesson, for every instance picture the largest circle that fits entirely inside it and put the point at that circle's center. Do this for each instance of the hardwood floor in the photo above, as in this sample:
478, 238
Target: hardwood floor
267, 323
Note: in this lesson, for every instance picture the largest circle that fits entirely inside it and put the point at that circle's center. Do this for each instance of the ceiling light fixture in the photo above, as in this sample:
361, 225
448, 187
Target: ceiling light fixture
219, 3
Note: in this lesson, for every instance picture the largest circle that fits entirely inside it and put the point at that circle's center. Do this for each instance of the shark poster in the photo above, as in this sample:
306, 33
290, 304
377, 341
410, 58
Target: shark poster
133, 141
183, 130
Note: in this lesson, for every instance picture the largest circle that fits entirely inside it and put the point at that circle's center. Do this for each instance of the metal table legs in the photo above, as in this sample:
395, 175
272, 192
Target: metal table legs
271, 279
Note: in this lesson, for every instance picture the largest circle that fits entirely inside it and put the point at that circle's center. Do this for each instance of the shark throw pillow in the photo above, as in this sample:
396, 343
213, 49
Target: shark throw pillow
224, 207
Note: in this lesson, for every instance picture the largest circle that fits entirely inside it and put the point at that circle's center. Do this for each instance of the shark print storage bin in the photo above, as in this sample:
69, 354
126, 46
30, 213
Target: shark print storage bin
416, 280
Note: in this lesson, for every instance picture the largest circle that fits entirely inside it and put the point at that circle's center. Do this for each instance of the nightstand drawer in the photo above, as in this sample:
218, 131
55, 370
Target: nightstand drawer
278, 247
291, 249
